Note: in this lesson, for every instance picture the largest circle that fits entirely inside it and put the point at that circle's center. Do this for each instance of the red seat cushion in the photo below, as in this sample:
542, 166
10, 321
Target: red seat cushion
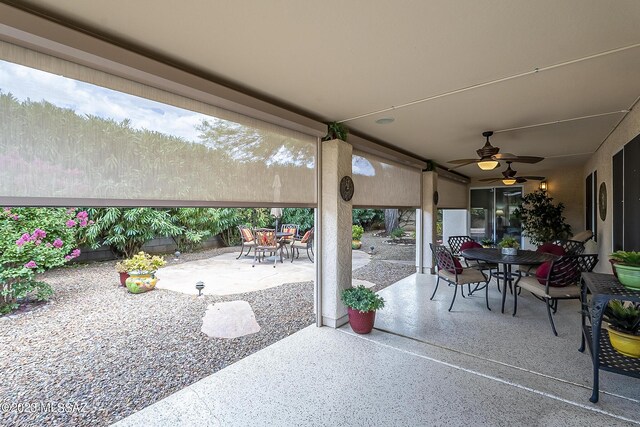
542, 272
550, 248
470, 245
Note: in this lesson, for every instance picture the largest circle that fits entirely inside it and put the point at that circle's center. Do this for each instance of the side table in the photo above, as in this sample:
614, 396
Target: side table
603, 288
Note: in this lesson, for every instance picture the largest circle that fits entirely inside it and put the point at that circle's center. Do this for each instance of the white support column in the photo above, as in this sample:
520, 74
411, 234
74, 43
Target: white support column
428, 218
335, 227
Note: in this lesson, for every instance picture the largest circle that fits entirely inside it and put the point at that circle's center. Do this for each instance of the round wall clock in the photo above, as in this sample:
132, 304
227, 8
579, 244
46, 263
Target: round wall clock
346, 188
602, 201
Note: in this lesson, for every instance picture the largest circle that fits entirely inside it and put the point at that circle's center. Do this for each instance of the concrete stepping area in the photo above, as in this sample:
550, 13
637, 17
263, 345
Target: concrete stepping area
231, 319
226, 275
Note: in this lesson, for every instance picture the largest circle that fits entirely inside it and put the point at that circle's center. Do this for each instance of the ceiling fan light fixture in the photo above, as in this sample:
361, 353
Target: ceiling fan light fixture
487, 165
509, 181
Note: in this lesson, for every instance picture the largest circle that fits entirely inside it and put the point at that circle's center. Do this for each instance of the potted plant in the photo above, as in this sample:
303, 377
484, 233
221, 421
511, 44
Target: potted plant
542, 221
362, 304
356, 234
624, 326
122, 270
509, 245
627, 268
142, 268
486, 243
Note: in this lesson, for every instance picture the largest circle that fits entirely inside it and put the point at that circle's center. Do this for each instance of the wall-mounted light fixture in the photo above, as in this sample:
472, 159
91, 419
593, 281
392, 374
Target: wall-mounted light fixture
543, 185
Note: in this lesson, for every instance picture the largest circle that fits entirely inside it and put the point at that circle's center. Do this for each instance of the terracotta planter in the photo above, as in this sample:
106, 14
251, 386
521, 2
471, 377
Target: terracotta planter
624, 343
628, 275
123, 278
361, 323
141, 281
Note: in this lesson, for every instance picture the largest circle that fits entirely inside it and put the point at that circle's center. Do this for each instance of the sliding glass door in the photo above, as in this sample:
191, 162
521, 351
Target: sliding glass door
491, 213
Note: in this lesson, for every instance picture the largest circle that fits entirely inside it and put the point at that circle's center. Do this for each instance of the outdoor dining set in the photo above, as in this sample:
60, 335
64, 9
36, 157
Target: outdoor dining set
551, 273
273, 243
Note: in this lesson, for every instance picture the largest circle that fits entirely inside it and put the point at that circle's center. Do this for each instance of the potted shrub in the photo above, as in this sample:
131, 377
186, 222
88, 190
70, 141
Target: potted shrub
624, 327
627, 268
142, 268
509, 245
486, 243
356, 234
362, 304
122, 271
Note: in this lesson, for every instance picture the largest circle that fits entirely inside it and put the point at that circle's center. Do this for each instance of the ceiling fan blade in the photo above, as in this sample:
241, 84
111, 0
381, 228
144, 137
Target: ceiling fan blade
508, 157
520, 179
463, 162
535, 178
490, 179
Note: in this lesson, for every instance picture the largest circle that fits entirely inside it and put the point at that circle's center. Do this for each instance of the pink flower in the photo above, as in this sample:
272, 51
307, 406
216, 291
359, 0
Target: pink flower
91, 222
38, 234
49, 245
31, 264
71, 223
82, 215
83, 222
26, 237
75, 253
15, 217
38, 242
20, 242
70, 211
58, 243
68, 257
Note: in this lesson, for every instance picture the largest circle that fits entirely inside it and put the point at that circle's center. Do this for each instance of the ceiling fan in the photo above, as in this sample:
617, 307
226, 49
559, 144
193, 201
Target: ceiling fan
490, 158
509, 177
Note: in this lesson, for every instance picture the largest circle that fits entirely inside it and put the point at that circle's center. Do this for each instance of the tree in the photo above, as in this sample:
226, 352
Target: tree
391, 219
541, 220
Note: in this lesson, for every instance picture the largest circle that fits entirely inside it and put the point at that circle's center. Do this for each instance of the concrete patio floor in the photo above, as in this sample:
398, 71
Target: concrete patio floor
226, 275
467, 367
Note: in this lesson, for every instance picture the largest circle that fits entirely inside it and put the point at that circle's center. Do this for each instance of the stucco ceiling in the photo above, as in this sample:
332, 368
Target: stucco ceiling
339, 60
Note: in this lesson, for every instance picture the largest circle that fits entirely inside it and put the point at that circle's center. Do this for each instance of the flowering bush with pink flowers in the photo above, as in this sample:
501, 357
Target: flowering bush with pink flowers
33, 240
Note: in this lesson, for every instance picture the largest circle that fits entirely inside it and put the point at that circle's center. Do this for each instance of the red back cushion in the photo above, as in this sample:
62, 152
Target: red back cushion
456, 262
550, 248
542, 272
470, 245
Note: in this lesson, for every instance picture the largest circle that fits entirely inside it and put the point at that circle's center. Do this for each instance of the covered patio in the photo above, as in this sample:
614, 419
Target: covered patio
381, 106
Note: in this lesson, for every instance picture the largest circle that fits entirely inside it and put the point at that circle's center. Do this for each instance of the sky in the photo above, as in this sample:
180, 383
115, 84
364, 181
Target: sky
84, 98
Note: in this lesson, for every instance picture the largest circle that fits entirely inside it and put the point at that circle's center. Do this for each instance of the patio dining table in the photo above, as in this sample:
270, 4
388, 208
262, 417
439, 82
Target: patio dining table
495, 256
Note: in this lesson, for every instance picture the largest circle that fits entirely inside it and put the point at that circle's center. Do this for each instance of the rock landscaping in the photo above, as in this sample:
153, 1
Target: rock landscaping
106, 353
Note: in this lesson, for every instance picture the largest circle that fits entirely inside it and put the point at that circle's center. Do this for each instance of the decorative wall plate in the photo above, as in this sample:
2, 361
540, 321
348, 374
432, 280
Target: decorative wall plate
602, 201
346, 188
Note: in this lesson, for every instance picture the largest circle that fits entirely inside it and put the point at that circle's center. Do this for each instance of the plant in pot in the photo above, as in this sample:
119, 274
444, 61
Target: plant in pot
626, 265
356, 234
362, 304
509, 245
122, 271
542, 220
624, 326
486, 243
142, 268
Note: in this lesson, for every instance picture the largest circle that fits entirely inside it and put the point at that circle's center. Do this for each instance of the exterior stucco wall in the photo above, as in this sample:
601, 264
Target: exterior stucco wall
601, 161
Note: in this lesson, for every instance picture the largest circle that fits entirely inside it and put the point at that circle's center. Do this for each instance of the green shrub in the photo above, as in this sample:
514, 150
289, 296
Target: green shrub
397, 233
142, 261
33, 240
508, 242
356, 232
300, 216
631, 258
368, 218
361, 299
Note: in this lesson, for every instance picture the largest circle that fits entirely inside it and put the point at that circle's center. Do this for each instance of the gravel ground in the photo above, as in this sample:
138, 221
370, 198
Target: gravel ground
107, 353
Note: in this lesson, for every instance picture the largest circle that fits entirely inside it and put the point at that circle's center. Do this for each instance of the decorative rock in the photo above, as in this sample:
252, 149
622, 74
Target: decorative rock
229, 320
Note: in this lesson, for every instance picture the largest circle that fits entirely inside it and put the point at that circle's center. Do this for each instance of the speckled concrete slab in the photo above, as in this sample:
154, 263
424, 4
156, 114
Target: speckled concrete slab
225, 275
230, 319
322, 376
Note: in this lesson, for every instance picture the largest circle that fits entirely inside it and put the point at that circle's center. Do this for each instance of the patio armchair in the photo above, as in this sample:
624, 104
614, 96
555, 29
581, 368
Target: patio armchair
305, 243
571, 247
248, 240
556, 280
455, 243
451, 271
286, 241
266, 242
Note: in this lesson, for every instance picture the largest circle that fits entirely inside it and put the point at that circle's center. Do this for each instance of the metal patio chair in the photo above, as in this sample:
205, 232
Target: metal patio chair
305, 243
455, 274
266, 243
248, 240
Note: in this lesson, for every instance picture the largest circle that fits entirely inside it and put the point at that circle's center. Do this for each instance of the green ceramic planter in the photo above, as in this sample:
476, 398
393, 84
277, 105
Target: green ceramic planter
629, 276
141, 281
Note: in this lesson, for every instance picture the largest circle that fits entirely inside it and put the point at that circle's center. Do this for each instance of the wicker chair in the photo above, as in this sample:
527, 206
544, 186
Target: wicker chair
248, 240
455, 274
305, 243
266, 242
561, 282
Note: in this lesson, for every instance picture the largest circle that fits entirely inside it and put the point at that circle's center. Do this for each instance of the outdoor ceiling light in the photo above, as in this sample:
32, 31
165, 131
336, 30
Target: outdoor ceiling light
385, 120
509, 181
487, 165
